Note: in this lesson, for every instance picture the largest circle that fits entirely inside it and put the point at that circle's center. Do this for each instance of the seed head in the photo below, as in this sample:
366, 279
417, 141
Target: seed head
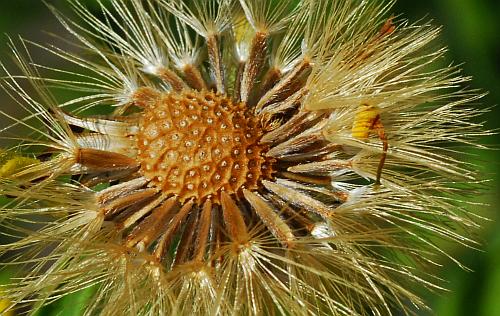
256, 157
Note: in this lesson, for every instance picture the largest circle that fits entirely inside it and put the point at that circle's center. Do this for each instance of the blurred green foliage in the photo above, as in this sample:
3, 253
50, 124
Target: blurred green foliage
471, 32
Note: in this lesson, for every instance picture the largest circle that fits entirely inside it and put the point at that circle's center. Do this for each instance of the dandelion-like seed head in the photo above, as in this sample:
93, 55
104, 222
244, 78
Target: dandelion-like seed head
259, 157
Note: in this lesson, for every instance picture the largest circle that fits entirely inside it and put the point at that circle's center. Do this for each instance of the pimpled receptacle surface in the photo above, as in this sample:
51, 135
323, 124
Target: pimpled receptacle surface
197, 144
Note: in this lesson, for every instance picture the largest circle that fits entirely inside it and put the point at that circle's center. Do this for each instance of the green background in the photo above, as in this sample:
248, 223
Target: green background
472, 32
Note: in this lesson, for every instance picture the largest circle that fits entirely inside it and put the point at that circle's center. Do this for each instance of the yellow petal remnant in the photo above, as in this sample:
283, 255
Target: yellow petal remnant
4, 304
367, 119
15, 164
364, 121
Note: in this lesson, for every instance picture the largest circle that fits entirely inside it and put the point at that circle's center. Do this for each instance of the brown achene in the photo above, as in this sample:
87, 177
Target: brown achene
196, 144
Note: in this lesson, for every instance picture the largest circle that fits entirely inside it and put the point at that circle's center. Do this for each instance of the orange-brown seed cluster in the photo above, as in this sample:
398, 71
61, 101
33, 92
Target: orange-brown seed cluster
197, 144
